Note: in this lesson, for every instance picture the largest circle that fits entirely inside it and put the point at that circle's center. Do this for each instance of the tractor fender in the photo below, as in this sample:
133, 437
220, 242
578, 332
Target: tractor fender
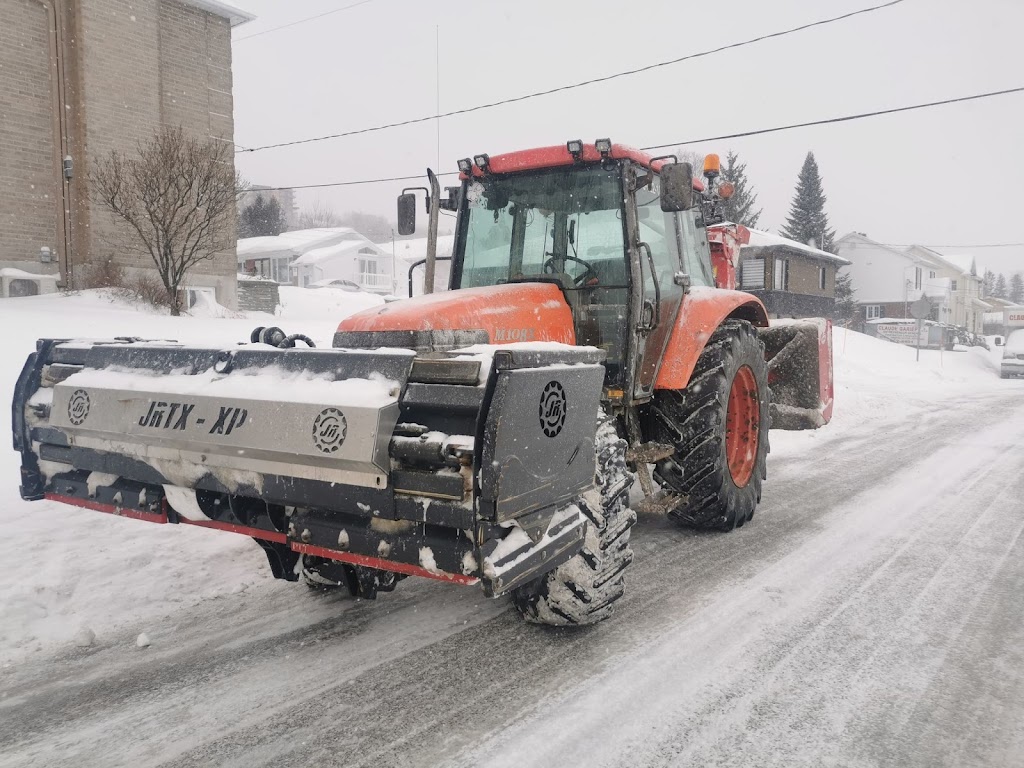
702, 311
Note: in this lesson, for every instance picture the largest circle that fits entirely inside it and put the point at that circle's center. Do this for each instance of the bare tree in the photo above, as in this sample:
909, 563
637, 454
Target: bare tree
176, 194
319, 215
695, 159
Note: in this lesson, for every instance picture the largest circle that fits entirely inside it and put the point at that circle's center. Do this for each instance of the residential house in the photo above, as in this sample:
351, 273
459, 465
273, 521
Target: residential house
355, 259
888, 279
965, 307
307, 256
792, 279
79, 78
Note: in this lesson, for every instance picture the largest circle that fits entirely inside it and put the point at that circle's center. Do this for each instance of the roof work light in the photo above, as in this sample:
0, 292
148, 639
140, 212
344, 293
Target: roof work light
604, 146
575, 147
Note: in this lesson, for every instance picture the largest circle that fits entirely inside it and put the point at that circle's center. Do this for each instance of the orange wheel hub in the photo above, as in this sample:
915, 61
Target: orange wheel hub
742, 426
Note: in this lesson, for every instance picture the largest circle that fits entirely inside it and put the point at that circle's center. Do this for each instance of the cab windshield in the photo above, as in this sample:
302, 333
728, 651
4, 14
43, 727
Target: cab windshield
563, 224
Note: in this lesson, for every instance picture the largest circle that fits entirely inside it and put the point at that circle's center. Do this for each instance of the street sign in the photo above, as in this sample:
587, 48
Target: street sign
921, 309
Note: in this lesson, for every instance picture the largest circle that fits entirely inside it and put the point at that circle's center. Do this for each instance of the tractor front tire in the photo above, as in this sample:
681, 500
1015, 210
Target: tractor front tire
584, 589
719, 427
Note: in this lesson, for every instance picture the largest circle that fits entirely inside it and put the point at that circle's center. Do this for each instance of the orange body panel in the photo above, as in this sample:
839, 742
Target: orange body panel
702, 311
513, 312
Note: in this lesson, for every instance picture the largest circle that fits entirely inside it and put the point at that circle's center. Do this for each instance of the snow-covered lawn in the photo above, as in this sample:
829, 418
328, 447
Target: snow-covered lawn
73, 576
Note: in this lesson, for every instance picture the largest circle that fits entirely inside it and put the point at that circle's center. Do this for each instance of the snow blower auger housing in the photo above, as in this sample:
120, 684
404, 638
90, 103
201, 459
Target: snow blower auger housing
325, 453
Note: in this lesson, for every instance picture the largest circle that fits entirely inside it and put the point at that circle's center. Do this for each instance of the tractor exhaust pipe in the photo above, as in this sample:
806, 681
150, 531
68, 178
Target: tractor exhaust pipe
433, 206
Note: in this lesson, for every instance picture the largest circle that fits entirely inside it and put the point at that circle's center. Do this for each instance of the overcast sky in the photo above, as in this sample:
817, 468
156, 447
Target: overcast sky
948, 175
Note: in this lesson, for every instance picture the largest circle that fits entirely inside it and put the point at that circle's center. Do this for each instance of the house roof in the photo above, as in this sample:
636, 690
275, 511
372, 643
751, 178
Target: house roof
762, 239
329, 252
235, 16
296, 243
963, 262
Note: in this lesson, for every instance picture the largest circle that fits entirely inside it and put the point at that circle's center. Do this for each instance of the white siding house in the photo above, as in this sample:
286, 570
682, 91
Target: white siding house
354, 259
887, 279
308, 256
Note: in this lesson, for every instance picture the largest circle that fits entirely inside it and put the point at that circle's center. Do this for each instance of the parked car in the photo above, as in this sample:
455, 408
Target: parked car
1013, 355
336, 282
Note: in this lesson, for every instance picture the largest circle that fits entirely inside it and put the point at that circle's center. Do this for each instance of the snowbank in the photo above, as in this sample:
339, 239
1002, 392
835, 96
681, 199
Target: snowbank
878, 381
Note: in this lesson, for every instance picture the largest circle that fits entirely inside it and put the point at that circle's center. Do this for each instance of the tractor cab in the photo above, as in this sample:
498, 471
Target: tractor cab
591, 219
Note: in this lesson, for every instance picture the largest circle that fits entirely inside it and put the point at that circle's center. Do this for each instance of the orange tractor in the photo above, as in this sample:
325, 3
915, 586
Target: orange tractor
489, 434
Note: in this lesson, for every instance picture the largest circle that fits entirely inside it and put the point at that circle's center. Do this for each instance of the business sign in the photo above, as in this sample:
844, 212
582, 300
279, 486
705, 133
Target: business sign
903, 333
1014, 318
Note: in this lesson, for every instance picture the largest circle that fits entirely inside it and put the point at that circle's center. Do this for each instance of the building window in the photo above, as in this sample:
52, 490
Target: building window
917, 278
781, 277
752, 273
952, 285
873, 311
821, 278
931, 274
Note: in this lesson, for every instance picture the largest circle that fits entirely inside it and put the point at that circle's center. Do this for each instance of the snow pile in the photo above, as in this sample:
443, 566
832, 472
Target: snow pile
878, 381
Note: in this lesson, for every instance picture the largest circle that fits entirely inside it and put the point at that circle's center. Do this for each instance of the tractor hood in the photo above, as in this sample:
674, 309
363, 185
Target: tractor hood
496, 314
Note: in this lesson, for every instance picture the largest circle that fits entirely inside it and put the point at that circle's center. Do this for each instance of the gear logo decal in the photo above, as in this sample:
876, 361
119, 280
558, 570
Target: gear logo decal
329, 429
78, 407
553, 406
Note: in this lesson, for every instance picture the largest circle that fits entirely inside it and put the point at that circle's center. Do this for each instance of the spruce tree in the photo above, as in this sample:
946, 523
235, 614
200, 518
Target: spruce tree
846, 305
807, 222
988, 283
999, 291
741, 207
261, 218
1017, 288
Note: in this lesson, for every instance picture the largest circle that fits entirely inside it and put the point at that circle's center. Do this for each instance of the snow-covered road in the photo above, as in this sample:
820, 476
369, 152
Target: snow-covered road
871, 614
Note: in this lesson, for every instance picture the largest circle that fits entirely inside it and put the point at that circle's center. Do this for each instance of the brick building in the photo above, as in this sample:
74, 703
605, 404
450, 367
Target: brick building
81, 77
792, 279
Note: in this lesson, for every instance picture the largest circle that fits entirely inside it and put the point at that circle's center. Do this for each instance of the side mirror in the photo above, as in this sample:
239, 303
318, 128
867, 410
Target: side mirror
676, 187
407, 214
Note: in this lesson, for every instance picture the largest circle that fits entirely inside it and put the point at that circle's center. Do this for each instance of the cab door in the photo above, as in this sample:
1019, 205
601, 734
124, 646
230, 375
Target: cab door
670, 251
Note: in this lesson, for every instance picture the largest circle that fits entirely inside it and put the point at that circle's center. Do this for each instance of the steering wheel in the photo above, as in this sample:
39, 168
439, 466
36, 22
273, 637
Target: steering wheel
581, 279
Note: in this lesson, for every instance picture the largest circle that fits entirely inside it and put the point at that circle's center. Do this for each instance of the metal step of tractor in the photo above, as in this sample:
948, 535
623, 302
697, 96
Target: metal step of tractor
661, 503
649, 453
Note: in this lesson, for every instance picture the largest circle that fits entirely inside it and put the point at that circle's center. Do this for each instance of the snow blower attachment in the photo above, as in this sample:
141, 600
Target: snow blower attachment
799, 355
350, 467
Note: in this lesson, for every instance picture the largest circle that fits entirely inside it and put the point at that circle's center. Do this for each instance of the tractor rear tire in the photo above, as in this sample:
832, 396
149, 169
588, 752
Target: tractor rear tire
719, 427
584, 589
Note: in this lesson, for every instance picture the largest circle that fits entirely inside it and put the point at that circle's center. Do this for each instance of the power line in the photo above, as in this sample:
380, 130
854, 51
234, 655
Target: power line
417, 177
970, 245
301, 21
776, 129
844, 119
580, 84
